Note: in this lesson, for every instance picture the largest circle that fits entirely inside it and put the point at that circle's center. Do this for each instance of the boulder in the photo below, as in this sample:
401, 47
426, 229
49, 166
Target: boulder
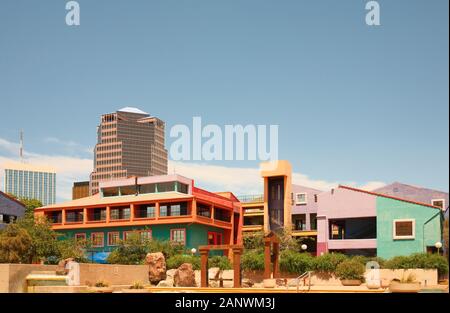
165, 283
170, 274
269, 283
281, 282
184, 276
197, 275
156, 267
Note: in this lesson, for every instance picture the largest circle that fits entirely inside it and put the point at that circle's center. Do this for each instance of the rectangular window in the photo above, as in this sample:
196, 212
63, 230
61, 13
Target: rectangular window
404, 229
203, 210
300, 198
439, 203
146, 234
178, 235
80, 237
176, 209
97, 240
113, 238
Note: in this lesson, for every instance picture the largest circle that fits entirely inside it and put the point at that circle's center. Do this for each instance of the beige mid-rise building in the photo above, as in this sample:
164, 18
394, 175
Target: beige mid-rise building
130, 142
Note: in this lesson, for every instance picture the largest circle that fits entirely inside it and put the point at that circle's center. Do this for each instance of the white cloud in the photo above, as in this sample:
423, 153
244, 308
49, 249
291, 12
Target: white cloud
242, 181
69, 169
70, 147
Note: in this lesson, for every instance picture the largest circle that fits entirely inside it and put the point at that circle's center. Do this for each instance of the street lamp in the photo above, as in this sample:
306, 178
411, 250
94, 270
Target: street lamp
304, 247
193, 251
438, 246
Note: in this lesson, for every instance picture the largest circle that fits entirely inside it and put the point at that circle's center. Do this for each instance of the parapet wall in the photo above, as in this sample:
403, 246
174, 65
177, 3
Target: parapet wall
12, 276
113, 274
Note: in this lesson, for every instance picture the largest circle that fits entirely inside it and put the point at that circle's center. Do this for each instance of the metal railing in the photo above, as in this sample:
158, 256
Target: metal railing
251, 198
305, 276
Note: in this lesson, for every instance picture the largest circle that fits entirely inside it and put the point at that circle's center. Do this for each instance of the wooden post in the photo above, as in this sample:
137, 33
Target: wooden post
194, 208
157, 210
276, 260
237, 267
204, 280
267, 259
85, 217
132, 212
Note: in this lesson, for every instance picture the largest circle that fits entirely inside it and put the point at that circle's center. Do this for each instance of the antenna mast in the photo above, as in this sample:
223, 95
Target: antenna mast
21, 146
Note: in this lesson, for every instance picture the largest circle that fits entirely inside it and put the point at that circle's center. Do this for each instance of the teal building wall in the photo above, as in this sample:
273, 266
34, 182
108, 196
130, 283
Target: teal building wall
427, 229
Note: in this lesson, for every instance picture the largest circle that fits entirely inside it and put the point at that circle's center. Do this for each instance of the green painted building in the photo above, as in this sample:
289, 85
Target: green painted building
404, 228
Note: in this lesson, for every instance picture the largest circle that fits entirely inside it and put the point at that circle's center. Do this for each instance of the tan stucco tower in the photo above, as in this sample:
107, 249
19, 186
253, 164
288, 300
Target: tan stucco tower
277, 177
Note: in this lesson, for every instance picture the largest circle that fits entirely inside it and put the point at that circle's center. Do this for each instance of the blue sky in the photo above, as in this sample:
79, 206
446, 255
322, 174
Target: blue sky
354, 103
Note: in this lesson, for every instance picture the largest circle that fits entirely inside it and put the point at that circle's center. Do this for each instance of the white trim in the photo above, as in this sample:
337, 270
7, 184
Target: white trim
413, 236
443, 203
301, 193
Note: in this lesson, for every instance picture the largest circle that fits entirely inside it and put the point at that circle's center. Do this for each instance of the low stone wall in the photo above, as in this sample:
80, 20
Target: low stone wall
113, 274
12, 276
425, 277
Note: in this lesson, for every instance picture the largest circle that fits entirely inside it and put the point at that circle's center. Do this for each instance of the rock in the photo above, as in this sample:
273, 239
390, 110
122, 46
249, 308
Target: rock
197, 275
165, 283
281, 282
269, 283
156, 267
170, 273
247, 283
258, 285
184, 276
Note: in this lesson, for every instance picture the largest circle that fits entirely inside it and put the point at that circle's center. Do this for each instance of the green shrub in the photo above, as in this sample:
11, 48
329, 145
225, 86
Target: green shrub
221, 262
253, 240
295, 262
328, 262
175, 261
419, 260
168, 248
350, 269
252, 260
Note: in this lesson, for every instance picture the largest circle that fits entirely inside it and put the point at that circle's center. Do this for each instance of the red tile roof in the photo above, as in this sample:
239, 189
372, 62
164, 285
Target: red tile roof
387, 196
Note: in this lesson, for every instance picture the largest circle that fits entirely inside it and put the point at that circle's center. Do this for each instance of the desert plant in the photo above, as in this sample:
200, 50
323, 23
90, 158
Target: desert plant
101, 284
406, 279
351, 270
221, 262
137, 285
175, 261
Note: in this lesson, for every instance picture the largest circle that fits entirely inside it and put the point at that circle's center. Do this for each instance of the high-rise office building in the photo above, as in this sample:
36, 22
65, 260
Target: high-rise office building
130, 142
80, 190
30, 181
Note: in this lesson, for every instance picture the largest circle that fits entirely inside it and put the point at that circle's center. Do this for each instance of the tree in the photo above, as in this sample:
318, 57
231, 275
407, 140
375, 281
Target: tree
30, 204
44, 239
15, 242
